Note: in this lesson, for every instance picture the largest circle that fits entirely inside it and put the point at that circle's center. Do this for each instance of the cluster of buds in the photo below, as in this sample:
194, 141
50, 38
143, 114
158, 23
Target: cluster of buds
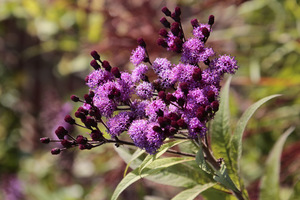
177, 104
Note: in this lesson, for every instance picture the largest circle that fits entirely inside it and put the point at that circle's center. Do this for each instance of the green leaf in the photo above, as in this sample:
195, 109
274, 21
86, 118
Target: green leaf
219, 127
269, 188
150, 158
222, 177
182, 175
200, 160
236, 139
212, 194
135, 155
191, 193
154, 167
221, 135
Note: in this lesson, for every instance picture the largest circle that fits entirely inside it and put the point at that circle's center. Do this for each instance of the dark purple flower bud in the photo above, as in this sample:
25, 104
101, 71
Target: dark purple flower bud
115, 71
165, 22
88, 99
75, 98
215, 106
90, 122
81, 140
61, 132
211, 20
80, 115
45, 140
141, 42
87, 146
205, 32
184, 86
201, 114
87, 78
174, 124
210, 96
55, 151
69, 119
181, 123
162, 95
106, 65
180, 101
157, 129
163, 121
84, 111
91, 94
94, 64
178, 42
163, 32
170, 97
172, 130
175, 17
166, 11
96, 135
197, 74
208, 109
66, 143
95, 55
173, 116
194, 23
116, 92
177, 11
175, 28
162, 42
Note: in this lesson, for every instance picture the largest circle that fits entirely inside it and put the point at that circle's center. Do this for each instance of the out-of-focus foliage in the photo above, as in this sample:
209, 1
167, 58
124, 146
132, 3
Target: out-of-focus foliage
44, 47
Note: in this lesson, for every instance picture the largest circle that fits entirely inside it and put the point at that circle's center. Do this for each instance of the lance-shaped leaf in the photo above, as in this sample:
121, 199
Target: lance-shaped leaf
135, 155
150, 158
219, 127
153, 168
269, 187
200, 160
236, 140
223, 177
192, 193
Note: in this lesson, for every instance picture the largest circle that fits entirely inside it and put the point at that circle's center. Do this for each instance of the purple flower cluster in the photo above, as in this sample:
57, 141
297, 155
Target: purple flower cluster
179, 102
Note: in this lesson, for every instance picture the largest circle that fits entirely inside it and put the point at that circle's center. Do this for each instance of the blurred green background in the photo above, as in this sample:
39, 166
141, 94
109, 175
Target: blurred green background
44, 58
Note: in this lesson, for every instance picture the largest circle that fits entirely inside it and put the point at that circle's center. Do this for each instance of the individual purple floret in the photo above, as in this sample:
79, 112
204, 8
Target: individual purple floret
139, 72
138, 55
119, 123
145, 90
138, 108
161, 64
153, 109
138, 132
198, 31
225, 64
144, 137
195, 52
196, 127
98, 77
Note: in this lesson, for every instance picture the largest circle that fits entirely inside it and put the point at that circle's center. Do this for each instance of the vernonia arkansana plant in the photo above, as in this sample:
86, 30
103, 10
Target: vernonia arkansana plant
178, 108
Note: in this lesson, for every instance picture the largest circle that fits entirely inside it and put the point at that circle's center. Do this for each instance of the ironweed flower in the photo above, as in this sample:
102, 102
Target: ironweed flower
180, 101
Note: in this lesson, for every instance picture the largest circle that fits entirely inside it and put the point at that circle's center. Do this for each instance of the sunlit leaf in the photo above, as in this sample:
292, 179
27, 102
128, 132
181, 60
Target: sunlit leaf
269, 187
154, 167
191, 193
236, 140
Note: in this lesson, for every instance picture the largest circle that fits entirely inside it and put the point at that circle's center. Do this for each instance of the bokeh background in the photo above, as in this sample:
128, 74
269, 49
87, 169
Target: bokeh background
44, 58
